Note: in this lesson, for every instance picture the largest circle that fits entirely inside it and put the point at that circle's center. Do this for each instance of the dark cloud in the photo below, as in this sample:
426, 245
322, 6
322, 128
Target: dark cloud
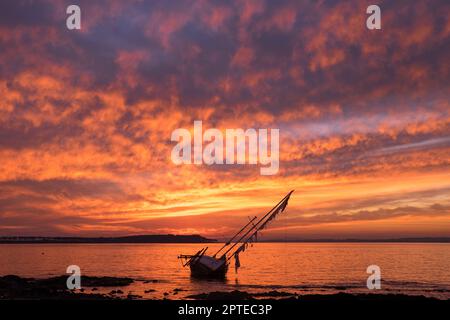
197, 57
26, 13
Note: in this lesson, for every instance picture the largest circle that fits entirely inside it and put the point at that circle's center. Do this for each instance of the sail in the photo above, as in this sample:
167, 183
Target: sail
278, 210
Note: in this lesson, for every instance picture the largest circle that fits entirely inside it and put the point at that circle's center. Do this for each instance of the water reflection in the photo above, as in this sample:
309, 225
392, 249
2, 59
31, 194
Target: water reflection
290, 267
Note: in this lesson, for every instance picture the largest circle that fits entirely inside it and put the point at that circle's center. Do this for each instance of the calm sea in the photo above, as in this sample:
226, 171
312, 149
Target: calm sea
303, 268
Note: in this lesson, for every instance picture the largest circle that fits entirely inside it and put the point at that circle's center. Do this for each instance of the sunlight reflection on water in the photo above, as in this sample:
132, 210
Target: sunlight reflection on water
289, 267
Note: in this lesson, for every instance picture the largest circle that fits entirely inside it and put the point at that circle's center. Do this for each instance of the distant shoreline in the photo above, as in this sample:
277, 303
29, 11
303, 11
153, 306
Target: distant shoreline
196, 239
169, 238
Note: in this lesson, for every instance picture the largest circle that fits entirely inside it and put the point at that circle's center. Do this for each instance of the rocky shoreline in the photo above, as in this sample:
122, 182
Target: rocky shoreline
17, 288
242, 295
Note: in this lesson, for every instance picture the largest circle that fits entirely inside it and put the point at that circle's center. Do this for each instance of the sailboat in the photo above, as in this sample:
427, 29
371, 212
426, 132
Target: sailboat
216, 265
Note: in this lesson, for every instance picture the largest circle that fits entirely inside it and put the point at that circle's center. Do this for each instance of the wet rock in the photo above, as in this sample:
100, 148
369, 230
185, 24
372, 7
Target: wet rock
149, 290
273, 294
12, 281
14, 287
86, 281
340, 288
150, 281
217, 295
365, 297
105, 281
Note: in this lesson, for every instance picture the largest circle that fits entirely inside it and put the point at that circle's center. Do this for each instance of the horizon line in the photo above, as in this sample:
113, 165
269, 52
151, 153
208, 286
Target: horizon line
196, 238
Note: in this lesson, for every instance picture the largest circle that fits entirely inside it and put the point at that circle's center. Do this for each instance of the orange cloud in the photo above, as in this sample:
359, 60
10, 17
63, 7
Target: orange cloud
86, 118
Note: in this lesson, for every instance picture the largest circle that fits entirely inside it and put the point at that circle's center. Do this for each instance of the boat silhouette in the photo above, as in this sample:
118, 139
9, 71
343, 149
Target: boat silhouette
216, 265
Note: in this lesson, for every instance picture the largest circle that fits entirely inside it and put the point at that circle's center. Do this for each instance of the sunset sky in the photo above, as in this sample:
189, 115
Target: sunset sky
86, 117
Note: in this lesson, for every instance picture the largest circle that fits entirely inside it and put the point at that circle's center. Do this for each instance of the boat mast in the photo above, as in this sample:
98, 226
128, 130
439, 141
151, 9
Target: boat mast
229, 241
256, 227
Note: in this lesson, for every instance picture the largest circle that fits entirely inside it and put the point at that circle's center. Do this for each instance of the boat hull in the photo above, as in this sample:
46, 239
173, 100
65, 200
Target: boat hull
208, 267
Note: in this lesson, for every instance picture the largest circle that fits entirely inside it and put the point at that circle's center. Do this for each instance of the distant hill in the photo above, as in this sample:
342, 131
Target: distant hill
165, 238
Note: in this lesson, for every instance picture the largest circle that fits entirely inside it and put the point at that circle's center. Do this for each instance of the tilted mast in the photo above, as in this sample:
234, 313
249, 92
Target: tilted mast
232, 238
261, 224
206, 266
